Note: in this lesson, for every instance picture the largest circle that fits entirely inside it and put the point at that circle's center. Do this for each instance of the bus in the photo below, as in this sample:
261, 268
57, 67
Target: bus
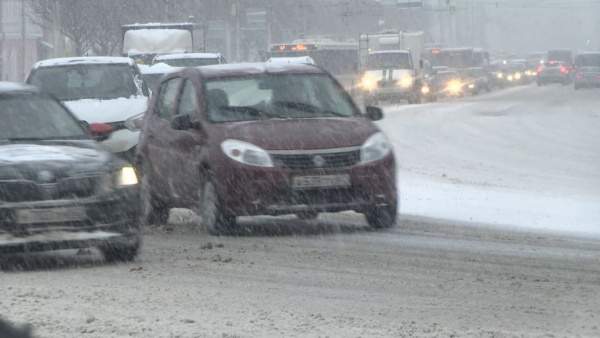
340, 58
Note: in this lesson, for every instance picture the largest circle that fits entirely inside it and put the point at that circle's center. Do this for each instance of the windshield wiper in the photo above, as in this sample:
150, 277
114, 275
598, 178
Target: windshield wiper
253, 111
308, 108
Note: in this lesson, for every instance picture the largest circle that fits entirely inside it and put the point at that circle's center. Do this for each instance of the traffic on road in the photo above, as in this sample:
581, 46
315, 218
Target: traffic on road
380, 185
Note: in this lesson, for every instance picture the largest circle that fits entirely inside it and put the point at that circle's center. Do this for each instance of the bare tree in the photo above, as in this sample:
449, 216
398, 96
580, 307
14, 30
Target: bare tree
76, 20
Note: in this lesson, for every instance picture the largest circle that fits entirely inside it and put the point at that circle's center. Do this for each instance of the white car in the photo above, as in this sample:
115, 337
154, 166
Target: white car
189, 59
106, 90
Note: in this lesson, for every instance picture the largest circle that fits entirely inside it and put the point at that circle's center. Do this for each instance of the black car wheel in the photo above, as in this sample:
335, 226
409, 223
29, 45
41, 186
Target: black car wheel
153, 211
215, 220
121, 253
382, 217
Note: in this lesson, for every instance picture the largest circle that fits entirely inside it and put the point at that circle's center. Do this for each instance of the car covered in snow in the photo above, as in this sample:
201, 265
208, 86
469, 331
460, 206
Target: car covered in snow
106, 90
263, 139
190, 59
59, 189
152, 74
306, 60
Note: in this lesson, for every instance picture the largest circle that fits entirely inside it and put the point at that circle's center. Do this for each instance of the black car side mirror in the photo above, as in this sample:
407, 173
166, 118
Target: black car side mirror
184, 122
374, 113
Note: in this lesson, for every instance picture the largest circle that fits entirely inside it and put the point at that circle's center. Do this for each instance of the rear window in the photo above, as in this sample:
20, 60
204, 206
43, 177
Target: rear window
590, 69
190, 62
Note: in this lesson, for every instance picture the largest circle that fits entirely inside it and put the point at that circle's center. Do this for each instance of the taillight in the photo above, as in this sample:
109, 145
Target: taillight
579, 76
563, 69
539, 69
597, 76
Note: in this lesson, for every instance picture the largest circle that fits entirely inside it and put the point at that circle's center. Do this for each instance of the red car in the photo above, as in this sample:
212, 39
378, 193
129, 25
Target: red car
263, 139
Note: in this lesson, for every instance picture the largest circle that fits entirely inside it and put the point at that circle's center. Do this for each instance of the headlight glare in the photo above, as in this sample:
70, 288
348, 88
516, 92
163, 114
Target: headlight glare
406, 82
425, 89
126, 177
368, 83
246, 153
375, 148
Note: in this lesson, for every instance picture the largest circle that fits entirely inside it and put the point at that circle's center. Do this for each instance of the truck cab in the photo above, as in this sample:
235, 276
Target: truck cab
390, 75
391, 63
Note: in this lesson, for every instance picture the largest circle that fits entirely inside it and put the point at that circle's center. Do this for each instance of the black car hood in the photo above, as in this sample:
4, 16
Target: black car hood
46, 162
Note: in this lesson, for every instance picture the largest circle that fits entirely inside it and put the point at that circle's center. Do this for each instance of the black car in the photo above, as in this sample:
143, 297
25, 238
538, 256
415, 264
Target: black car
553, 72
475, 80
59, 189
587, 77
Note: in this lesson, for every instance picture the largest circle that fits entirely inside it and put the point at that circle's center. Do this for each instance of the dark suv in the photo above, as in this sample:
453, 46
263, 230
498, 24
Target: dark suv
59, 189
260, 139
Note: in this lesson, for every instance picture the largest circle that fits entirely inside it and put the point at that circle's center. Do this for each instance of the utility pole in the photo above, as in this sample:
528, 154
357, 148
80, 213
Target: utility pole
269, 18
238, 48
23, 31
56, 30
1, 41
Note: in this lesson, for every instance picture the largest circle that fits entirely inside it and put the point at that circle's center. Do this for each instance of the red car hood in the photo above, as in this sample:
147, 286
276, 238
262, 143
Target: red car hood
301, 134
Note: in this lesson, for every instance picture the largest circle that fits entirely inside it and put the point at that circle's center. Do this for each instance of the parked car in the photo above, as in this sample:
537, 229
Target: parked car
189, 59
59, 189
587, 77
106, 90
553, 72
261, 139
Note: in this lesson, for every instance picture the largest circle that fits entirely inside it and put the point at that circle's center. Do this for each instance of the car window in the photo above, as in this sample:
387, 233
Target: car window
165, 105
188, 102
35, 116
76, 82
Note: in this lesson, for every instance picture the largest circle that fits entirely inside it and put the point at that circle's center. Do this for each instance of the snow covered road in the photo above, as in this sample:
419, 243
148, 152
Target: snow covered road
524, 157
499, 196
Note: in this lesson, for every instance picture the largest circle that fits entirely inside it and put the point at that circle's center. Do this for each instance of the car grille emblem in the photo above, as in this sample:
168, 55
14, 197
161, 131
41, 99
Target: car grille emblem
319, 161
45, 176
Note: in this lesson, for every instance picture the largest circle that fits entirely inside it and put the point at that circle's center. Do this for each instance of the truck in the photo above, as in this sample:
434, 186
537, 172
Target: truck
391, 63
143, 42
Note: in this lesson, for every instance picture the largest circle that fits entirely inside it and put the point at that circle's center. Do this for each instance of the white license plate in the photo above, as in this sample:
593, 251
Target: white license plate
325, 181
54, 215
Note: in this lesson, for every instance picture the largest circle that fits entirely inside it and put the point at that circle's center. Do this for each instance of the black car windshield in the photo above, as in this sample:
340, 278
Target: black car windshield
76, 82
388, 61
589, 70
190, 62
36, 117
276, 96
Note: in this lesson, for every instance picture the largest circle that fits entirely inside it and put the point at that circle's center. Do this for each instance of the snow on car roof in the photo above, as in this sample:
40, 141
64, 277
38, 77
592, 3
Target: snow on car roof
159, 68
177, 56
307, 60
240, 69
83, 60
13, 86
